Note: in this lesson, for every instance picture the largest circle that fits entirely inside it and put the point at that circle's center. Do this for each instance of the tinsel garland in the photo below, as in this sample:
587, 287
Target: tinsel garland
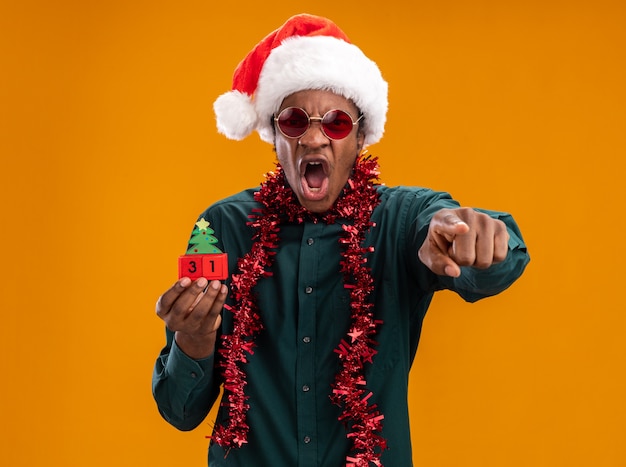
356, 204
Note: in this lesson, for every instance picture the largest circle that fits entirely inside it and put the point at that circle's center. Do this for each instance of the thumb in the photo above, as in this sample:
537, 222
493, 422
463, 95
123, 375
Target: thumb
438, 260
450, 268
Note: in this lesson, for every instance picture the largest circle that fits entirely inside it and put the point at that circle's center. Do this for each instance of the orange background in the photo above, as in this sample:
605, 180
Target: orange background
109, 152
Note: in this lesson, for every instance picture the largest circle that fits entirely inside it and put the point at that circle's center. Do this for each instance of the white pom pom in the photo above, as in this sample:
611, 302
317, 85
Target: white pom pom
235, 114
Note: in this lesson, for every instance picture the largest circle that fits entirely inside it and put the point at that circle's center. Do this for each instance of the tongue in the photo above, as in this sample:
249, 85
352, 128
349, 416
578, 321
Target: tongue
314, 176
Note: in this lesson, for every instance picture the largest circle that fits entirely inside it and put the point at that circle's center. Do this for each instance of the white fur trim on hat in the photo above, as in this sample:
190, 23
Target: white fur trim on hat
236, 116
321, 62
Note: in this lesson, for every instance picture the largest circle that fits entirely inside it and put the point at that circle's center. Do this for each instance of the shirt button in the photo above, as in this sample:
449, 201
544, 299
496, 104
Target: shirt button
306, 339
306, 439
194, 375
308, 289
310, 241
306, 388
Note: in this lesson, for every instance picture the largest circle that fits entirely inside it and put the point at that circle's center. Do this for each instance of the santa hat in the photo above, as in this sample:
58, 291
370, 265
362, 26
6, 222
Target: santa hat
307, 52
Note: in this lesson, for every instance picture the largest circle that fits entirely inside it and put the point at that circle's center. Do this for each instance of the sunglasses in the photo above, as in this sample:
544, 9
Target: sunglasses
293, 122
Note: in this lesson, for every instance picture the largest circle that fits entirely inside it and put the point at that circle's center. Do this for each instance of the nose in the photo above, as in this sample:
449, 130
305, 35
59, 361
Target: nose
314, 136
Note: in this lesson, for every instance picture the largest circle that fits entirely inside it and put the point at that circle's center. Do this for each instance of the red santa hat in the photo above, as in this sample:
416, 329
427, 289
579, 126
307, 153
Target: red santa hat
307, 52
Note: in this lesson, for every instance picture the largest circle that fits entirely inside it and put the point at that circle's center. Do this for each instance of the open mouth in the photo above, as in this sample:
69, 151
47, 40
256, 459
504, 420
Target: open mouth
314, 179
314, 175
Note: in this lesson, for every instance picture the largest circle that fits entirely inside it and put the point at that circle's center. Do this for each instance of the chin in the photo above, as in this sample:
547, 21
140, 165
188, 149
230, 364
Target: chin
317, 207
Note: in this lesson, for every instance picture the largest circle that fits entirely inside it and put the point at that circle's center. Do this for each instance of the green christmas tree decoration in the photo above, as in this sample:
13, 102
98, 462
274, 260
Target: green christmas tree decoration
202, 240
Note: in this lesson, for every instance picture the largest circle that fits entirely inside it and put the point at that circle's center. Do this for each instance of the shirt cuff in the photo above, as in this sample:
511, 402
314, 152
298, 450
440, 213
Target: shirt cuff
184, 368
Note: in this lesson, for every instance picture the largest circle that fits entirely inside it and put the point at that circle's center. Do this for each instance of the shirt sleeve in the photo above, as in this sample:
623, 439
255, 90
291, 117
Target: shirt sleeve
183, 388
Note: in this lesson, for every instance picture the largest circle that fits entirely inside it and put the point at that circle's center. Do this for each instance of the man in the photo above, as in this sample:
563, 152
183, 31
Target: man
314, 333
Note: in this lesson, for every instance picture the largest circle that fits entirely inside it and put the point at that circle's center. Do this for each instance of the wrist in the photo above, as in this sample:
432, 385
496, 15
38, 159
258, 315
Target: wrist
196, 346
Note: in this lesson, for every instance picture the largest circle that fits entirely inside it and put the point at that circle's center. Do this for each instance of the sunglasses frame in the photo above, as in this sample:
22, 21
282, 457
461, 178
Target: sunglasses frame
315, 119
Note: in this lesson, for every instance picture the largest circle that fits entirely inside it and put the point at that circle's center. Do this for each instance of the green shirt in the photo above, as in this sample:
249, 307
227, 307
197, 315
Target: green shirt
305, 314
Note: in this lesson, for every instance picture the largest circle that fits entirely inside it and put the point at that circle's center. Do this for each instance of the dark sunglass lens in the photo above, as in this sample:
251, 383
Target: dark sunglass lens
337, 124
293, 122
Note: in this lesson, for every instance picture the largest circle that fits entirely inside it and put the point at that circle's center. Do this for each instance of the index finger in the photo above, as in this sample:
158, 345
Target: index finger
450, 224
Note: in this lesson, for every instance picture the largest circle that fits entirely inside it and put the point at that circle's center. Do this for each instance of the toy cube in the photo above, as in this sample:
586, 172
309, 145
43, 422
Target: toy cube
209, 266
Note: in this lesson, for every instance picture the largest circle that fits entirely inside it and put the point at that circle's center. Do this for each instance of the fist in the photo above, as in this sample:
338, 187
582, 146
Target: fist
463, 237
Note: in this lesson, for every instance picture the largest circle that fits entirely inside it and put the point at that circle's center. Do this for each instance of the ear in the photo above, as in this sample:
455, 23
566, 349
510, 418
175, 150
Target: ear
360, 139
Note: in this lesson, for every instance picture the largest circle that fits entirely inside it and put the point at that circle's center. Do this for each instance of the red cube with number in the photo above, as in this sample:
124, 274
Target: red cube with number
210, 266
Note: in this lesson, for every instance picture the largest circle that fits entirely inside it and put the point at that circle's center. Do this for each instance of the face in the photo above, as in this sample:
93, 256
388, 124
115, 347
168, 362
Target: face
317, 168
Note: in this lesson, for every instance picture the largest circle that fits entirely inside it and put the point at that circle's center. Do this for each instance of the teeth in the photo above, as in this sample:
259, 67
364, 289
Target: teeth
315, 163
